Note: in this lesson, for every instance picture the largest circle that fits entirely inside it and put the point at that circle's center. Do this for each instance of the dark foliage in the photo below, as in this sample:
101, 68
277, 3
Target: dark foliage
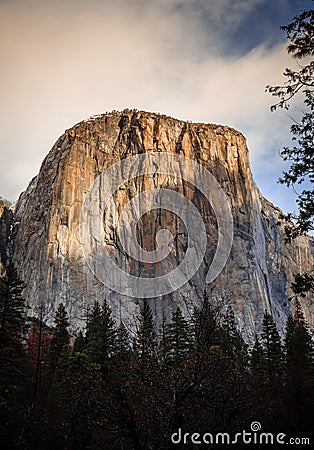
13, 373
60, 340
303, 283
300, 33
109, 392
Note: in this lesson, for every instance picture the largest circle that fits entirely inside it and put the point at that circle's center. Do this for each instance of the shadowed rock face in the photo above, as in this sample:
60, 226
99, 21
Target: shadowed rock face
47, 221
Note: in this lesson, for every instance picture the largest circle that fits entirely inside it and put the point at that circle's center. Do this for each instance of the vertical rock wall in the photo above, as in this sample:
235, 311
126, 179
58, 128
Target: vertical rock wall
47, 246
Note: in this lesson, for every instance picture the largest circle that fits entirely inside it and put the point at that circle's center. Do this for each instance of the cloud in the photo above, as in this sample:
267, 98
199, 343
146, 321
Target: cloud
64, 61
230, 13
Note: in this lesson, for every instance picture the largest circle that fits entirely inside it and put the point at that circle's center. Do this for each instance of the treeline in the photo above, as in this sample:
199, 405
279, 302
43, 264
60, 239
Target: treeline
109, 389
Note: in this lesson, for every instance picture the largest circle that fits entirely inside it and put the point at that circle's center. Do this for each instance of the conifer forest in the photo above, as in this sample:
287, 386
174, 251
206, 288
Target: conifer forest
109, 387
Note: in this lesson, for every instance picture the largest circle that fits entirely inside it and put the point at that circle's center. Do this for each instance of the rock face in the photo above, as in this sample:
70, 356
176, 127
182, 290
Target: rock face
47, 223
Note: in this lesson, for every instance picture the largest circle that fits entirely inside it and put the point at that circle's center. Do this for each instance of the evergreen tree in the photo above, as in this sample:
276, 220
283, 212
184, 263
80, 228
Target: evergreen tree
101, 335
109, 332
38, 342
76, 389
163, 341
123, 342
303, 283
13, 362
178, 336
60, 339
12, 327
12, 303
207, 331
145, 343
298, 343
288, 343
94, 347
272, 347
257, 357
79, 343
233, 343
298, 347
300, 83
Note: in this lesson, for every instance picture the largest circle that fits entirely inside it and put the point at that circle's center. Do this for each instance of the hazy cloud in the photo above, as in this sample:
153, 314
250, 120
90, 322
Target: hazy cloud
64, 61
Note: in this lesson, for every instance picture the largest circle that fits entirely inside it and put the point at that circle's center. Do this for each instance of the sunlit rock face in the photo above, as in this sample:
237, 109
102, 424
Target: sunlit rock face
47, 223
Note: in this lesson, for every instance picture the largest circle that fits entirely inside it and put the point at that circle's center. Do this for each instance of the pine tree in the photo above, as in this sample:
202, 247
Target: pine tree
272, 347
298, 348
298, 342
12, 304
94, 334
207, 331
123, 342
288, 345
38, 342
109, 333
79, 343
12, 327
145, 343
76, 389
101, 336
13, 362
60, 339
178, 336
299, 83
163, 342
257, 357
233, 343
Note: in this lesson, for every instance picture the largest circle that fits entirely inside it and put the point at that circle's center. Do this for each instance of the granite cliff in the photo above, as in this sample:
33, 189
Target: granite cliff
43, 237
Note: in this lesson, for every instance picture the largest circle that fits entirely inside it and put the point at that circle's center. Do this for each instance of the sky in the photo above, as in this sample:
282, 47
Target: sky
198, 60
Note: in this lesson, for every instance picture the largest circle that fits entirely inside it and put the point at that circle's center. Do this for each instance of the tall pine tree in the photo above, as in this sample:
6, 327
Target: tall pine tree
257, 359
101, 336
298, 349
207, 331
178, 335
233, 343
12, 327
298, 343
145, 343
123, 346
60, 340
273, 354
13, 367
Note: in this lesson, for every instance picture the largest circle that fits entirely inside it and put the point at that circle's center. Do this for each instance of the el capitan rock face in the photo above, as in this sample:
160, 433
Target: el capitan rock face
47, 219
